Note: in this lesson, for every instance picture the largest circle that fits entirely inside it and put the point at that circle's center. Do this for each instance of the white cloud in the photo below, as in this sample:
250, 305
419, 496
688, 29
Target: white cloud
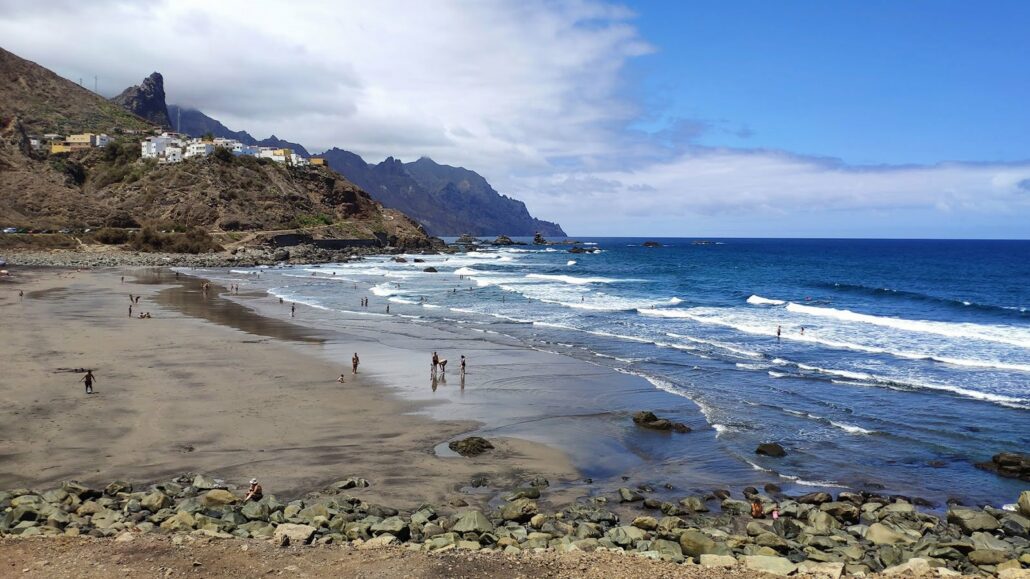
532, 94
695, 191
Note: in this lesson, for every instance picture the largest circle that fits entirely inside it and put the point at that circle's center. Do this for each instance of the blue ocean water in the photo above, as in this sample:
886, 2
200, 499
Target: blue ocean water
899, 363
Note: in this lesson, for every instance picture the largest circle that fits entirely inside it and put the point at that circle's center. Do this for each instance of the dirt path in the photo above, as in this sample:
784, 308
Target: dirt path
160, 556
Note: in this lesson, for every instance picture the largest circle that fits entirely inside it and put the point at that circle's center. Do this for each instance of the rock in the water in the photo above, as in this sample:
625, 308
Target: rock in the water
520, 510
629, 495
772, 449
1009, 464
430, 269
815, 498
651, 244
503, 240
647, 419
473, 522
471, 446
295, 534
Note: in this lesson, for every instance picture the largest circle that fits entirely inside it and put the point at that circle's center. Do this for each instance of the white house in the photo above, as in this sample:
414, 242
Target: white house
171, 155
199, 149
297, 161
101, 140
154, 147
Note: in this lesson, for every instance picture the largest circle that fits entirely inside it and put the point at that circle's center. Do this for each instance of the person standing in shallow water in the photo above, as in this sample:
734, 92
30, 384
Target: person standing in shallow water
88, 379
779, 330
354, 363
293, 310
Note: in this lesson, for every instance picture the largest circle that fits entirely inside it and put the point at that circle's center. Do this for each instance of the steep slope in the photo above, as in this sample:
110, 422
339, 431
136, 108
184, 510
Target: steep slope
446, 200
113, 186
43, 102
468, 192
146, 100
195, 123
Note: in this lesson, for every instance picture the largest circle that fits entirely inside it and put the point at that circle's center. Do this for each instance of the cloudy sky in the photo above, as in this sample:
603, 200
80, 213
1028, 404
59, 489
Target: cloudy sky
799, 119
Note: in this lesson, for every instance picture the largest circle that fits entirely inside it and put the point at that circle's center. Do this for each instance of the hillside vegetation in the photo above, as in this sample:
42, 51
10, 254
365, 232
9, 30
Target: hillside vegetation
113, 187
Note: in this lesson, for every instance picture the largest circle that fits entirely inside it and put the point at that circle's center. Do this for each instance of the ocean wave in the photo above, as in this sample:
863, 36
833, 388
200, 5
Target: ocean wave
957, 303
760, 301
706, 316
570, 262
1011, 335
868, 379
569, 279
849, 428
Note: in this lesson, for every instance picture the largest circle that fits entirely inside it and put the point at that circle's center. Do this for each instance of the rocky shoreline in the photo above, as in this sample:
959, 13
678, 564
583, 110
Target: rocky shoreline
853, 534
244, 257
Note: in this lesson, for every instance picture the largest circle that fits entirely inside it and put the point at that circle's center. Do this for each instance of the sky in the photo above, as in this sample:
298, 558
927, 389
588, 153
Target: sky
696, 119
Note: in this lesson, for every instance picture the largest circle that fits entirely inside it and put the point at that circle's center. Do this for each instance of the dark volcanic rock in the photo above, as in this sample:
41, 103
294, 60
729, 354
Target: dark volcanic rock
471, 446
446, 200
771, 449
430, 269
652, 244
1008, 464
647, 419
503, 240
147, 100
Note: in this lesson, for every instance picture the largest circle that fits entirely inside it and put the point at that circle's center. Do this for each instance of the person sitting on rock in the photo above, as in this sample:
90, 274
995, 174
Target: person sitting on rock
254, 493
757, 511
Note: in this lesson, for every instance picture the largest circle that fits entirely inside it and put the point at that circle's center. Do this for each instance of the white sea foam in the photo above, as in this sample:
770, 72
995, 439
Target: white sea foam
571, 262
851, 428
575, 280
760, 301
1011, 335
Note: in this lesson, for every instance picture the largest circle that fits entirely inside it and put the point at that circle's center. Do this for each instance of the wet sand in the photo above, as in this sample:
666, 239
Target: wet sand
208, 385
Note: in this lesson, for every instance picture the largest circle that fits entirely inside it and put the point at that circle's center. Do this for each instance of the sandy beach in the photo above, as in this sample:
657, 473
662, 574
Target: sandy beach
185, 391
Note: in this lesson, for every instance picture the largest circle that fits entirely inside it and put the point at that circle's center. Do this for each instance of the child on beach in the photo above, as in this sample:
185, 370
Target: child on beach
88, 379
340, 379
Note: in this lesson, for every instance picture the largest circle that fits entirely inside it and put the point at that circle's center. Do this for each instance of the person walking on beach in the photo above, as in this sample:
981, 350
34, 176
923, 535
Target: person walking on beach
354, 363
387, 308
436, 362
21, 294
130, 310
131, 300
293, 310
88, 379
254, 493
463, 366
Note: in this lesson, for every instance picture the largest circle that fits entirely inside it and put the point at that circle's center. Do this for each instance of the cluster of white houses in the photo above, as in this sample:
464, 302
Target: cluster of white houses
173, 148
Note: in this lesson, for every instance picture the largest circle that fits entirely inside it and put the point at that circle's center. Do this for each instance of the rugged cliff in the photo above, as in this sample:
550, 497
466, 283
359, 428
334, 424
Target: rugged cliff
146, 100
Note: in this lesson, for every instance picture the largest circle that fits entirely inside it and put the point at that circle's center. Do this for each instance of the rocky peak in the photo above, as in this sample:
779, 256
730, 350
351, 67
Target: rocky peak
147, 100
